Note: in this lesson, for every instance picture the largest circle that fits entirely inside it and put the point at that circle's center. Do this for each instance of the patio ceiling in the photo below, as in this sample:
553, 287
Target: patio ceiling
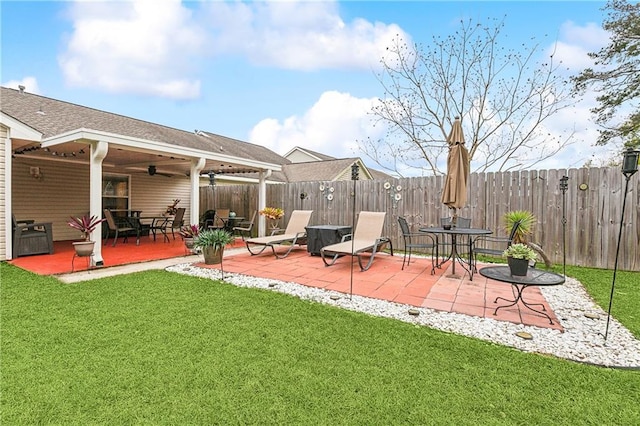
127, 155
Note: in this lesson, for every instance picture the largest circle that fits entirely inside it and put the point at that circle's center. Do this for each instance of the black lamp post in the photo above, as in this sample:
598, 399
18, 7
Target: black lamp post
564, 185
629, 168
355, 170
212, 184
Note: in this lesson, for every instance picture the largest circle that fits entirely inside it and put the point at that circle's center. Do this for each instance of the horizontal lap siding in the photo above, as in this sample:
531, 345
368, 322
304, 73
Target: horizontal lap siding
63, 191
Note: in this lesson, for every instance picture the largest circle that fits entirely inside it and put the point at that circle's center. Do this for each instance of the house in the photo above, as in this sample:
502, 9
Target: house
307, 165
59, 159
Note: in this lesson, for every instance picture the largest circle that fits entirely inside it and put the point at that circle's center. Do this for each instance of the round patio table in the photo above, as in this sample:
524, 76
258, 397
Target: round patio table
534, 277
454, 255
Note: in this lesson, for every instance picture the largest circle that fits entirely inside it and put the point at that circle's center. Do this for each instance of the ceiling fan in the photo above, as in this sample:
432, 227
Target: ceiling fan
152, 170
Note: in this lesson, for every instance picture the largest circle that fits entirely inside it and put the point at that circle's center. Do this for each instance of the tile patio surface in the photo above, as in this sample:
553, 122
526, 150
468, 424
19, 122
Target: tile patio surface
386, 280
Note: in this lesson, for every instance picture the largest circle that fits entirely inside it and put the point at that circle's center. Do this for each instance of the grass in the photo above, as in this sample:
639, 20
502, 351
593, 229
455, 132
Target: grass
162, 348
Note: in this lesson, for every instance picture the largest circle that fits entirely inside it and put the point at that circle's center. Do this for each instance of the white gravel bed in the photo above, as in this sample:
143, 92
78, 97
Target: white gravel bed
582, 339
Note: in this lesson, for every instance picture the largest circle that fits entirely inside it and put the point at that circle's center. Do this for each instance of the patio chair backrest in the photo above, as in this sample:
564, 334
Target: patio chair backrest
178, 219
369, 226
404, 227
110, 221
298, 221
221, 213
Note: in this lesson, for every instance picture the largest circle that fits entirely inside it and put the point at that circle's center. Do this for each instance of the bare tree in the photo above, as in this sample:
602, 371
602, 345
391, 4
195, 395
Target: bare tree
502, 95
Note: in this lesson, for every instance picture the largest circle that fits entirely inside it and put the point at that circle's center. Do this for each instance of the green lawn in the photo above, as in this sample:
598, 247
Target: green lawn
162, 348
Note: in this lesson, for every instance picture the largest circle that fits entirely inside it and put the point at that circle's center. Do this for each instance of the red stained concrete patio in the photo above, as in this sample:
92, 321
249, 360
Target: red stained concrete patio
385, 279
415, 285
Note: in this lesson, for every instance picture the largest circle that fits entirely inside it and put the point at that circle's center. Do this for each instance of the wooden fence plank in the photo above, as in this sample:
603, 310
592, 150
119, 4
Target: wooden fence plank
593, 213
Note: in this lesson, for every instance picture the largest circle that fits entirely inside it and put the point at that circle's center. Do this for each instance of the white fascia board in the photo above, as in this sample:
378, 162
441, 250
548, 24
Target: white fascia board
154, 146
19, 130
239, 180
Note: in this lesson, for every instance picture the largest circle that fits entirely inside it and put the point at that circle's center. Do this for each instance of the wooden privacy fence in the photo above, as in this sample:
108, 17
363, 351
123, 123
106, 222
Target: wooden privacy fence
593, 207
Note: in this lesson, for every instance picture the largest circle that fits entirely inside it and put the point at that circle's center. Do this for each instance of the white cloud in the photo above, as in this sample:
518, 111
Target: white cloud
333, 125
140, 46
299, 35
30, 84
576, 42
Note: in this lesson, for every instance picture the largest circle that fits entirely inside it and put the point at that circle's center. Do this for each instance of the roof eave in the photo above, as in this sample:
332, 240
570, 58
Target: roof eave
148, 145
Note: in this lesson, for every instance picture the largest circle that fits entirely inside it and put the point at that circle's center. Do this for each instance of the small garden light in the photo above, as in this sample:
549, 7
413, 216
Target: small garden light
564, 185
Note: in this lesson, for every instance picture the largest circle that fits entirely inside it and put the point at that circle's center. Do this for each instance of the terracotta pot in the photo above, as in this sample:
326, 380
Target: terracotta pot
84, 248
518, 267
212, 256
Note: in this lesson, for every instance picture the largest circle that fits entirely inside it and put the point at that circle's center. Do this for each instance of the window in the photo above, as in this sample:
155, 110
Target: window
115, 192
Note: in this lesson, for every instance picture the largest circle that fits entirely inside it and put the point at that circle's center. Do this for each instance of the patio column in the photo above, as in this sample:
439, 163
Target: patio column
194, 204
99, 151
262, 201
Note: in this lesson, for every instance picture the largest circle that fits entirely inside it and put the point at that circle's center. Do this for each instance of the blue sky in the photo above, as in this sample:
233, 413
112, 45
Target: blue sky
280, 74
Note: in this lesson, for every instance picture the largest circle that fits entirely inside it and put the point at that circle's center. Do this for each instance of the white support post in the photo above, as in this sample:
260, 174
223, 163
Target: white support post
99, 151
262, 201
196, 168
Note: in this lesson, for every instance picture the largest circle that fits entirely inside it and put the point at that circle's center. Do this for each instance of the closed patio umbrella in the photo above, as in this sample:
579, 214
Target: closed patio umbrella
454, 194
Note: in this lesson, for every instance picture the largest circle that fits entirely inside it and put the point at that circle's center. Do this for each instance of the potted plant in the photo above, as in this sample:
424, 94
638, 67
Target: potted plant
518, 257
527, 221
188, 234
85, 224
212, 243
274, 214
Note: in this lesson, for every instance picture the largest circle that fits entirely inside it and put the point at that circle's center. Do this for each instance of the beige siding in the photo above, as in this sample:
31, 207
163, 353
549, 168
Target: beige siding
3, 199
152, 194
63, 190
300, 157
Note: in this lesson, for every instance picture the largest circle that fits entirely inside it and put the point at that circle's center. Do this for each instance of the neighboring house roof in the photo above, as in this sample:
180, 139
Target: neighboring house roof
329, 170
54, 118
379, 175
304, 155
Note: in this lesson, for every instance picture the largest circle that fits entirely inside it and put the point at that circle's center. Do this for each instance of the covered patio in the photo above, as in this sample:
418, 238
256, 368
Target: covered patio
385, 280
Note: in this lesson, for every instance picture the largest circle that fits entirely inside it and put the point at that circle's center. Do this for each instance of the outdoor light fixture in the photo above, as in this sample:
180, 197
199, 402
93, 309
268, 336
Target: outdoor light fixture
152, 170
564, 185
630, 162
629, 168
355, 170
212, 179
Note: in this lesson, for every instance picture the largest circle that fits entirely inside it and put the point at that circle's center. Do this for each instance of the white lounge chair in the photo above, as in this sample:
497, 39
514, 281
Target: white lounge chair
294, 234
367, 238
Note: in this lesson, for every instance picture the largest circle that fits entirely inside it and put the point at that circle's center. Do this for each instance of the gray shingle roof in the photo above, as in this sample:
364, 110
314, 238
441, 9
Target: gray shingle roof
327, 170
53, 117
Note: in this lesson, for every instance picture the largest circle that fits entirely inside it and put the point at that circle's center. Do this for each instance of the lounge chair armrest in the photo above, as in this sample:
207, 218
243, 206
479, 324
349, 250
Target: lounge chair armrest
277, 231
346, 237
